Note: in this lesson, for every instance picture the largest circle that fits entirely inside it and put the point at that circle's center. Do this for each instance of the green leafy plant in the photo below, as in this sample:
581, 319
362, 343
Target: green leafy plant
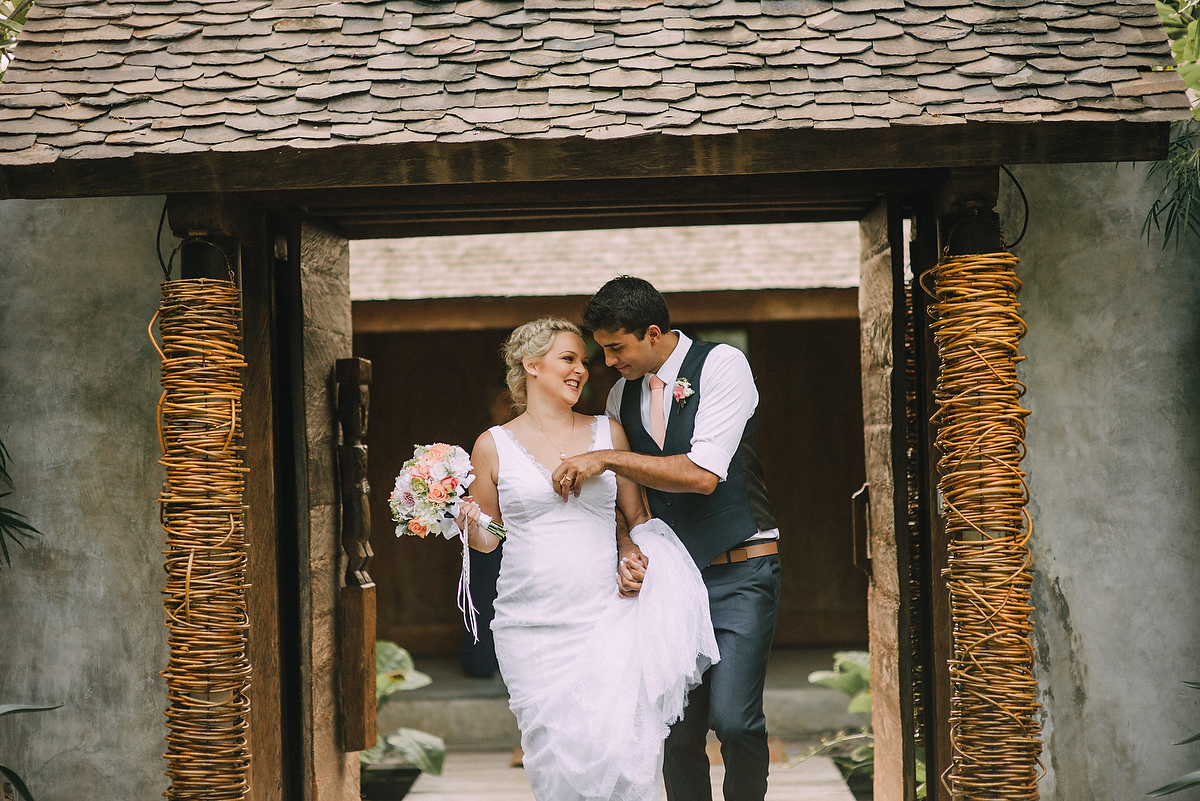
396, 672
854, 751
1190, 779
1176, 208
1180, 21
9, 774
12, 524
12, 20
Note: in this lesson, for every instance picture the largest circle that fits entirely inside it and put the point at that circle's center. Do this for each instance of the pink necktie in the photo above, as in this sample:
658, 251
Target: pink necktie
658, 426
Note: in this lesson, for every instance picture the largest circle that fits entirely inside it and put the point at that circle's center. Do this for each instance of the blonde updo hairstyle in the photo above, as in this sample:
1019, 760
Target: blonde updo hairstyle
530, 341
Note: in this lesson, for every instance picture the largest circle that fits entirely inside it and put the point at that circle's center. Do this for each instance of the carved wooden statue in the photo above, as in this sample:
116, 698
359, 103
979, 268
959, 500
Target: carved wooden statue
354, 399
358, 596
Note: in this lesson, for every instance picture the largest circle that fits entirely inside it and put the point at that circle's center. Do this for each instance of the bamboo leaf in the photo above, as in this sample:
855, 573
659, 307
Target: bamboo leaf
11, 775
16, 709
1182, 783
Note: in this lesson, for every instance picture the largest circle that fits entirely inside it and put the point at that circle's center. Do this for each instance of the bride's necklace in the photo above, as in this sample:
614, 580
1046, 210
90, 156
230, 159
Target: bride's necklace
562, 452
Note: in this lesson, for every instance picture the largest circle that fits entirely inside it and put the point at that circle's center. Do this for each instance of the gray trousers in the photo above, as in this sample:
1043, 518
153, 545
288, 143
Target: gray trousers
744, 601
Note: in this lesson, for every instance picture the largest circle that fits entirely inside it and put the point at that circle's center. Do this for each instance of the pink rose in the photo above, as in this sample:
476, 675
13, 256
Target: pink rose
438, 494
450, 482
679, 392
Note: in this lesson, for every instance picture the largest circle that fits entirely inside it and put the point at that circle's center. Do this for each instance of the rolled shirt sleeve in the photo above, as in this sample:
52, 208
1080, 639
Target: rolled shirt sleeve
728, 398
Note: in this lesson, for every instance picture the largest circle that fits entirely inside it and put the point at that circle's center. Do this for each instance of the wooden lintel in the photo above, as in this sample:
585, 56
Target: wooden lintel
391, 229
579, 158
687, 308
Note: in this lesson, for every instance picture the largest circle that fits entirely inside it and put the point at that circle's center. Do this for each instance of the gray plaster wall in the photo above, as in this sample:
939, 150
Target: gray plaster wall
81, 620
1113, 372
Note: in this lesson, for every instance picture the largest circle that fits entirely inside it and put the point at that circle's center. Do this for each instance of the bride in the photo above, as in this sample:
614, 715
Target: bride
599, 633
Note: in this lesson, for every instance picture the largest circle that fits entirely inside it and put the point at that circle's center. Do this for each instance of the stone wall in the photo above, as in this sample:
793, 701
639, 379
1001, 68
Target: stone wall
80, 609
1113, 372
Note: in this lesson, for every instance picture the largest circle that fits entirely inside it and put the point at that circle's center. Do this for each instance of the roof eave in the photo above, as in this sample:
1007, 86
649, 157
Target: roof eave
581, 158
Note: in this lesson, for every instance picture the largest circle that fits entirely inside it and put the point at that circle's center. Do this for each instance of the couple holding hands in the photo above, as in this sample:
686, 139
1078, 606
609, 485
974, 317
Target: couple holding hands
616, 688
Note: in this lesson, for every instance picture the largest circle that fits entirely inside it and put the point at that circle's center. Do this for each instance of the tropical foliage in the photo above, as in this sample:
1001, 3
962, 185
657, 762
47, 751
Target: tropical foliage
12, 19
1190, 779
8, 774
1176, 209
395, 672
854, 751
13, 527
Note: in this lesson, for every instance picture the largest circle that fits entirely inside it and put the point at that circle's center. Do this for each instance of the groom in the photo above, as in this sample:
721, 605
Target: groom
688, 408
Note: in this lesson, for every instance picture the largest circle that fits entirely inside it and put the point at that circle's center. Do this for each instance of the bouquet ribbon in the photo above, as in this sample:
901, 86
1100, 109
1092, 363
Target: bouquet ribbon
466, 604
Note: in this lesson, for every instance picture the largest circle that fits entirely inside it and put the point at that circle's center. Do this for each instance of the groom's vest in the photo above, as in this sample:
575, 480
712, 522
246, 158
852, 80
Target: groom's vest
708, 525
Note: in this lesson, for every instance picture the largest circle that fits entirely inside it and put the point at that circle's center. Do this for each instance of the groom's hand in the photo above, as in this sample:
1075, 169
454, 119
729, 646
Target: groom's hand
631, 570
569, 476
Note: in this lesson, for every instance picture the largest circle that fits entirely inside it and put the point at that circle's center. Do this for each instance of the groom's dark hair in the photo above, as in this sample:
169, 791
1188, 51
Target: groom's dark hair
628, 303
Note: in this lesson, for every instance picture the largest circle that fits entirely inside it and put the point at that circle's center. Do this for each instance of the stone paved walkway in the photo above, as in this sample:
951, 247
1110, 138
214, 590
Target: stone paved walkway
486, 776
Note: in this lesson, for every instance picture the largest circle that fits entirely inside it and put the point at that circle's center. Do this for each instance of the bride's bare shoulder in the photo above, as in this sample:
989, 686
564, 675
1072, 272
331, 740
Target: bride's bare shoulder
485, 447
619, 440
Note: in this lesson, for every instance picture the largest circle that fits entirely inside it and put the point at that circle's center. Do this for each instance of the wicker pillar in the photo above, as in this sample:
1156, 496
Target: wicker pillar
995, 734
208, 670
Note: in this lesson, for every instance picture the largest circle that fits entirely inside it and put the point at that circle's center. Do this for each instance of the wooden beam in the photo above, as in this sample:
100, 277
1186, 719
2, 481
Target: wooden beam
579, 158
394, 212
687, 308
713, 191
392, 229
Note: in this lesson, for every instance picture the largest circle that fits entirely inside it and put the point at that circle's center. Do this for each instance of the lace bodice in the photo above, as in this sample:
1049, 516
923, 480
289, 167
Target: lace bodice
555, 550
527, 492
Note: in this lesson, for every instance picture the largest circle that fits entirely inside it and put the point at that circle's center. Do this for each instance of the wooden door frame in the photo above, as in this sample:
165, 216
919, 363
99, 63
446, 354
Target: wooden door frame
926, 196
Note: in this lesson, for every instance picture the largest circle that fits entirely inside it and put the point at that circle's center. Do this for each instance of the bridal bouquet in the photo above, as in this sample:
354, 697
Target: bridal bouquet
428, 491
426, 498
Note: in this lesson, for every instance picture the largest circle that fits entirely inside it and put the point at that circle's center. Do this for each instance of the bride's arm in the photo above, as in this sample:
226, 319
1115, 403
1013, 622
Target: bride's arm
484, 493
631, 512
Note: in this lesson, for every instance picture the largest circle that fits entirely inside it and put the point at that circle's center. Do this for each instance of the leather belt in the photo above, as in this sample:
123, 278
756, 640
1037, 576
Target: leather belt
743, 553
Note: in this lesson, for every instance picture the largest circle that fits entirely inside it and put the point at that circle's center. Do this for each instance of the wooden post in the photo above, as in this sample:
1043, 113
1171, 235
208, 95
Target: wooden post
358, 595
881, 310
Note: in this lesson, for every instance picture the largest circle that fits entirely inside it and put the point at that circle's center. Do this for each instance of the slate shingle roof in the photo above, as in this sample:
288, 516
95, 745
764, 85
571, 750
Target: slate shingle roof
94, 79
674, 259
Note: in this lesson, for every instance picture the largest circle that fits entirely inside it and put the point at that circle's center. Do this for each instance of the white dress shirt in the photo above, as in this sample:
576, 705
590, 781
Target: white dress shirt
727, 403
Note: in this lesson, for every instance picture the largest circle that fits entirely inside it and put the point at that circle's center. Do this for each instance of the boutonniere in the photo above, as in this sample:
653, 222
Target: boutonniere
681, 392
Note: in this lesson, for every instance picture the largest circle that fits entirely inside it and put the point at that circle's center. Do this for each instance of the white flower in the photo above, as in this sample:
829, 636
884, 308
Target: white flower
460, 463
439, 471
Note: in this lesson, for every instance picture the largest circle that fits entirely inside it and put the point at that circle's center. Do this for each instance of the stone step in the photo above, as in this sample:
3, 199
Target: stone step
472, 714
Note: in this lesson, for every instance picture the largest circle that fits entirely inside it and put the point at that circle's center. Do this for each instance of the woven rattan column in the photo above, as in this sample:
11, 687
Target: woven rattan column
995, 734
208, 670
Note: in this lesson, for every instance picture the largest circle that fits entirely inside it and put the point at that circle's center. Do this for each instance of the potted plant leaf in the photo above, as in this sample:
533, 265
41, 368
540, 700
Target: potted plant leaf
390, 768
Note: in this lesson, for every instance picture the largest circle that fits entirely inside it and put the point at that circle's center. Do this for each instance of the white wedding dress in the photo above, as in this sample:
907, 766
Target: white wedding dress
594, 679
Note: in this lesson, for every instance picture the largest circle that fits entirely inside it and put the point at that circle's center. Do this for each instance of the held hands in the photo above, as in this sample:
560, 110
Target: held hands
631, 571
569, 476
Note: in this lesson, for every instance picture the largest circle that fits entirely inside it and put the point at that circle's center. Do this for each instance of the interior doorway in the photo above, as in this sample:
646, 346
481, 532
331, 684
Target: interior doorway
785, 294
